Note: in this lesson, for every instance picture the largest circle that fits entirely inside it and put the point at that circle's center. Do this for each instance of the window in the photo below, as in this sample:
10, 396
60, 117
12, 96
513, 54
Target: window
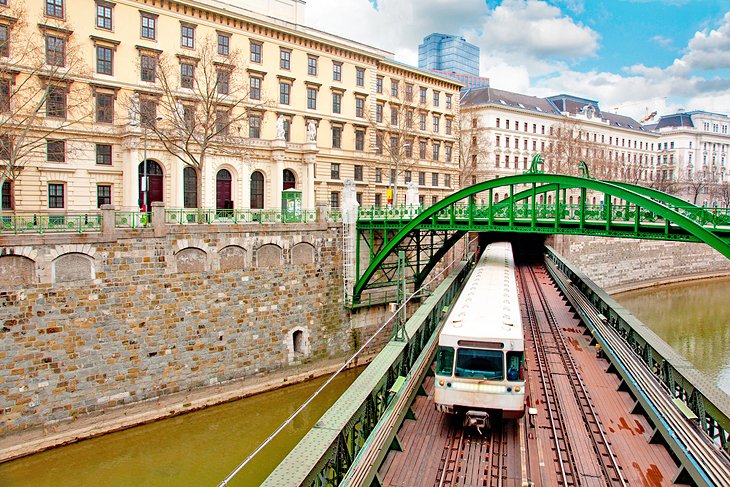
407, 176
284, 90
148, 68
334, 171
336, 102
336, 137
422, 121
336, 71
254, 126
7, 195
105, 107
436, 120
409, 148
379, 84
497, 123
224, 44
447, 155
358, 173
409, 92
360, 76
54, 8
256, 52
186, 75
4, 95
448, 126
447, 180
187, 36
436, 96
148, 112
55, 195
55, 50
334, 199
103, 195
393, 116
378, 200
422, 178
312, 98
104, 154
392, 176
434, 200
312, 65
422, 149
379, 143
394, 88
56, 102
379, 113
222, 122
55, 150
360, 107
448, 102
223, 81
422, 95
6, 147
149, 26
254, 84
435, 153
409, 118
284, 58
378, 175
104, 57
4, 40
435, 179
359, 140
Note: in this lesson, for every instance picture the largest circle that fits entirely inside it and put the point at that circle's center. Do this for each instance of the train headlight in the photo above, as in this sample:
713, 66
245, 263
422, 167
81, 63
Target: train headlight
518, 388
441, 382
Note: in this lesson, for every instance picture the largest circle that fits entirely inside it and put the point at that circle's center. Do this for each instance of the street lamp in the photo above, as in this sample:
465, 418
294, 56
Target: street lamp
145, 182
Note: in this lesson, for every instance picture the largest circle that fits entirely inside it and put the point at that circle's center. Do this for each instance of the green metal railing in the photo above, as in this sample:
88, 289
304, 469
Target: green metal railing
35, 223
207, 216
132, 219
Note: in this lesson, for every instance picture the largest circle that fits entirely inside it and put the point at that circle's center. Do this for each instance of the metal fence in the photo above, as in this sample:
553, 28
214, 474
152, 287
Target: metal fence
206, 216
50, 223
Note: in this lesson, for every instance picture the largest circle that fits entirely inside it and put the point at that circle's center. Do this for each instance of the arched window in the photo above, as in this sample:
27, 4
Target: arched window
257, 190
190, 187
298, 341
7, 196
290, 181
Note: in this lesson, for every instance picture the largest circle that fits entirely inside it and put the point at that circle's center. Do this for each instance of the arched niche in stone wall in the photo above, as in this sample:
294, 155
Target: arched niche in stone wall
73, 267
268, 255
190, 259
232, 257
302, 253
16, 270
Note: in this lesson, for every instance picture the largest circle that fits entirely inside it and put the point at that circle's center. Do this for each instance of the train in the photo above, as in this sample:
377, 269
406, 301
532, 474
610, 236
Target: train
480, 360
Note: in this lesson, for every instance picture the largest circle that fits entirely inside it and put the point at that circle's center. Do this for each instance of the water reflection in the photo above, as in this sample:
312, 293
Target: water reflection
692, 317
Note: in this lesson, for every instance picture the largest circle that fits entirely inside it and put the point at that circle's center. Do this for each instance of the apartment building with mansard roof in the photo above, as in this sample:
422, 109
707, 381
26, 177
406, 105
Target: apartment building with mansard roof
229, 104
510, 128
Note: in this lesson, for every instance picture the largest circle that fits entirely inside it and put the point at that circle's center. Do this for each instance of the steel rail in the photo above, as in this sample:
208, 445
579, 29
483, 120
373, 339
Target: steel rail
710, 464
548, 388
599, 438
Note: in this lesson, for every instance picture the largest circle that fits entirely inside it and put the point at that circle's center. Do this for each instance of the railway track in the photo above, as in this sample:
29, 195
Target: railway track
557, 371
485, 453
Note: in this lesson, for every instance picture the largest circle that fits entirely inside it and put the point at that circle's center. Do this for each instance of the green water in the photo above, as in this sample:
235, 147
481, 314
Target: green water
694, 318
196, 449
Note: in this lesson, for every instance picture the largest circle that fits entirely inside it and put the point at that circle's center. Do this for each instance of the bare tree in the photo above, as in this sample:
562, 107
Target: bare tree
396, 126
696, 183
40, 96
565, 148
474, 146
201, 101
723, 194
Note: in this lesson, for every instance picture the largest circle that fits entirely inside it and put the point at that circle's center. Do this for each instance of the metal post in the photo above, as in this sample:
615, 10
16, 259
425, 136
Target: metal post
399, 324
144, 167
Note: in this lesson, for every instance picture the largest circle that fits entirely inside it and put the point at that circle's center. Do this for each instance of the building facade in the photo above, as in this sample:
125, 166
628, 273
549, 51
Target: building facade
503, 130
443, 52
228, 105
693, 149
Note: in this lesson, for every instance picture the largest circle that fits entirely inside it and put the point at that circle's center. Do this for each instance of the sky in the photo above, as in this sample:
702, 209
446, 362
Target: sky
633, 57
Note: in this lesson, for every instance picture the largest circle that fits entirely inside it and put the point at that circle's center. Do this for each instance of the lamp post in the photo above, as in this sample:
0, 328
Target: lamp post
145, 182
395, 160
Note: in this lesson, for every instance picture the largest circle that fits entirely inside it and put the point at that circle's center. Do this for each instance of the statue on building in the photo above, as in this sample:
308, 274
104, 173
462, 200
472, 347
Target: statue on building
311, 131
280, 134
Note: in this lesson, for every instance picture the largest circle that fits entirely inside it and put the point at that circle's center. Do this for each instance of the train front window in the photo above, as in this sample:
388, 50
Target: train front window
445, 361
479, 364
515, 366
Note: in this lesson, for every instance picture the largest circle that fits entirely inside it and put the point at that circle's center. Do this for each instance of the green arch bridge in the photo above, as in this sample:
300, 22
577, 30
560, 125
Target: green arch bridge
534, 203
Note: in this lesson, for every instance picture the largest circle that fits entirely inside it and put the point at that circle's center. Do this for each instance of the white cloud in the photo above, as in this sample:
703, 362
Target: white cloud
661, 40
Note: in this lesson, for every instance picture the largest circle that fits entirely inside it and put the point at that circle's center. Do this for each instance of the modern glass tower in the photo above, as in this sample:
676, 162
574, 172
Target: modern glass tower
445, 53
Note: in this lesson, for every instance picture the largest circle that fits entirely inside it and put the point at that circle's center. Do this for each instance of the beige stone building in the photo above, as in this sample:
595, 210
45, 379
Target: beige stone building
230, 105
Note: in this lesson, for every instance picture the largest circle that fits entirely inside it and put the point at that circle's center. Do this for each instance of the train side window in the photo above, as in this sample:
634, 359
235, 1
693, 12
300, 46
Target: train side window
445, 361
515, 366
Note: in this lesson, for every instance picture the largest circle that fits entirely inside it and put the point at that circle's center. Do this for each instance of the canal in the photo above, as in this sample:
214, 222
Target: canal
693, 318
195, 449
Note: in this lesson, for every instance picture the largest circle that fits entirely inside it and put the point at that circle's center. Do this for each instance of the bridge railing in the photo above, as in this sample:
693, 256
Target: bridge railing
324, 455
708, 402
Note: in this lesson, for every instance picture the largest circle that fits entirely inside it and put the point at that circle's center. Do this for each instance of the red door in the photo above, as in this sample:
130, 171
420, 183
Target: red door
223, 198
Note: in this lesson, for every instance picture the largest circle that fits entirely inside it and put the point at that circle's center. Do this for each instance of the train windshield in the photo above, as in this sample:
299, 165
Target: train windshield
479, 364
445, 361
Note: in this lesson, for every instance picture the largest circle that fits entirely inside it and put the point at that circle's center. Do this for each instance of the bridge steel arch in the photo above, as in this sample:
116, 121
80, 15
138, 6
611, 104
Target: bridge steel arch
670, 208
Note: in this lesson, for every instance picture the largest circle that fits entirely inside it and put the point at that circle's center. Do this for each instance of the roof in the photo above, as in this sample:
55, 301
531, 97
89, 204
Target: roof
683, 119
493, 96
